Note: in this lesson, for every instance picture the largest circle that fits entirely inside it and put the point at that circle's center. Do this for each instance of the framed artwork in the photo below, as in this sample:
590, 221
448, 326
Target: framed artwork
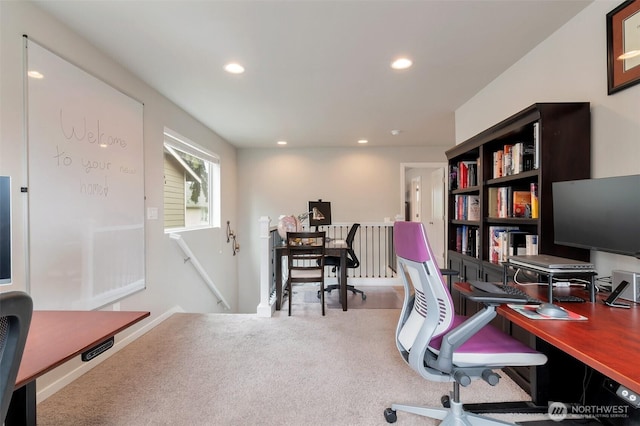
623, 46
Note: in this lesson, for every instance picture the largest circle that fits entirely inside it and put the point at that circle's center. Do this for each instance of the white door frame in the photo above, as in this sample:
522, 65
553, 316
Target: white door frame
403, 171
428, 165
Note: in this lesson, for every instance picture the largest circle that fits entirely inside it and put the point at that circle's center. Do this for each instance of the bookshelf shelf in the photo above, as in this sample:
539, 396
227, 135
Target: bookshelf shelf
528, 175
468, 190
510, 221
466, 222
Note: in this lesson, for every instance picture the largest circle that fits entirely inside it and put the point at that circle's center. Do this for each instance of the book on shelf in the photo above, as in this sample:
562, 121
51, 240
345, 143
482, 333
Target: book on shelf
522, 204
460, 205
516, 158
527, 156
522, 157
507, 158
536, 145
472, 178
531, 244
473, 207
497, 163
463, 172
513, 243
467, 240
467, 207
496, 241
492, 203
535, 206
505, 197
467, 174
453, 177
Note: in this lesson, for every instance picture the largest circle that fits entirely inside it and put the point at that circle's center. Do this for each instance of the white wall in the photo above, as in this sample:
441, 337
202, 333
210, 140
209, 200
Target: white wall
362, 184
170, 282
570, 66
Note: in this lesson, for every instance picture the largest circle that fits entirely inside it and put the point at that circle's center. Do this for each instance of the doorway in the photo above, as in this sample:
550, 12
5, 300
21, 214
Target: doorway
423, 195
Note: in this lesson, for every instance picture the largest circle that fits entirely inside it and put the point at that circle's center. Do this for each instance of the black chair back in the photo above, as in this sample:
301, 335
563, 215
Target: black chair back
16, 308
353, 260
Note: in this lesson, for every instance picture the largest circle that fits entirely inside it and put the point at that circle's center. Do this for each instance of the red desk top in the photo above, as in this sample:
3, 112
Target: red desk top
608, 341
57, 336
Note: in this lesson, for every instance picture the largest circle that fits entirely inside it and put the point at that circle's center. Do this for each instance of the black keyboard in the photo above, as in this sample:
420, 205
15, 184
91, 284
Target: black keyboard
504, 289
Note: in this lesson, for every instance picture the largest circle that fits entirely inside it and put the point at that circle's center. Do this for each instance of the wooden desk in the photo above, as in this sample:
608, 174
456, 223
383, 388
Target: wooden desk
609, 341
54, 338
332, 248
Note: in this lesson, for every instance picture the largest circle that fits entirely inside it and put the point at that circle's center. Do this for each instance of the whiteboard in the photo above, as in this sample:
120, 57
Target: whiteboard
85, 186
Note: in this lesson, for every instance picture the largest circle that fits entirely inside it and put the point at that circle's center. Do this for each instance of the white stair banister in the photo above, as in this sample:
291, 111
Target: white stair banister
196, 264
266, 308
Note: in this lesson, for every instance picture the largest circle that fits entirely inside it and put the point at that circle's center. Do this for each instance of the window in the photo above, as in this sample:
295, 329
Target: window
191, 185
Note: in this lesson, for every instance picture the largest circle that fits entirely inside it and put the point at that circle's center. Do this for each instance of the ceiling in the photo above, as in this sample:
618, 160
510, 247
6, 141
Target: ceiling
318, 72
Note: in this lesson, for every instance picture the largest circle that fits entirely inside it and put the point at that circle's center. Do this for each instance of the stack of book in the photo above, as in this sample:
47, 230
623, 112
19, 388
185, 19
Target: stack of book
504, 202
517, 157
463, 175
507, 241
468, 240
467, 207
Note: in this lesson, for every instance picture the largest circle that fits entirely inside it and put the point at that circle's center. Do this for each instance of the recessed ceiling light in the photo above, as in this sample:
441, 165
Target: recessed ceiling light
281, 142
234, 68
363, 141
35, 74
396, 132
401, 64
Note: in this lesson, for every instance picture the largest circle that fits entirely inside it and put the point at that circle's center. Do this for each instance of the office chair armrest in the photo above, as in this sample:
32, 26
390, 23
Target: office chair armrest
494, 299
456, 337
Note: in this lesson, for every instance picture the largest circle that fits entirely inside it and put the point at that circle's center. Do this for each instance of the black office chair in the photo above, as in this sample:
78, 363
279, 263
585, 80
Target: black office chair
16, 308
352, 262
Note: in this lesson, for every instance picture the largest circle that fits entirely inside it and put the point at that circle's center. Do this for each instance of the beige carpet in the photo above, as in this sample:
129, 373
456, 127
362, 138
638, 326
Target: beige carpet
224, 369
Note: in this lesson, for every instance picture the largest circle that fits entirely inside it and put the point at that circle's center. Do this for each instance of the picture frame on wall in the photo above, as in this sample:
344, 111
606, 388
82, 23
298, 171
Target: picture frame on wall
623, 46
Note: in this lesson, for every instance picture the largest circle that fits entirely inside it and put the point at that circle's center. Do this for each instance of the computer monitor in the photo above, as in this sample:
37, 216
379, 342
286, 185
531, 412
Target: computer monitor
598, 214
5, 230
319, 213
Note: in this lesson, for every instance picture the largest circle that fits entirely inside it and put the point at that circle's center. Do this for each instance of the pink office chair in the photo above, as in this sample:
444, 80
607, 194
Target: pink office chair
442, 346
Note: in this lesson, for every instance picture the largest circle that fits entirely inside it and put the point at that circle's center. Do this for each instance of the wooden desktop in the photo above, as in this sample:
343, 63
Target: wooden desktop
54, 338
608, 341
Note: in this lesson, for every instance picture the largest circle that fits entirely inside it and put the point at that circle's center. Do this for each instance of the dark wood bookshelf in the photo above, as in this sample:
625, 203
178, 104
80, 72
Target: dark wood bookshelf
564, 153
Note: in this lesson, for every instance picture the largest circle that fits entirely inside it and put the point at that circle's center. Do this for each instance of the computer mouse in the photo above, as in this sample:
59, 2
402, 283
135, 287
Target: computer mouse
551, 310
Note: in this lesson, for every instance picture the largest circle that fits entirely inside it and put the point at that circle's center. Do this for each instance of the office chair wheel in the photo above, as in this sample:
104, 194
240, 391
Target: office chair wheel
364, 296
446, 402
390, 415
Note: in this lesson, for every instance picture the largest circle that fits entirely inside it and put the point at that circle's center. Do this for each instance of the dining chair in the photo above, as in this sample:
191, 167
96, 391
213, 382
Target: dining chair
305, 261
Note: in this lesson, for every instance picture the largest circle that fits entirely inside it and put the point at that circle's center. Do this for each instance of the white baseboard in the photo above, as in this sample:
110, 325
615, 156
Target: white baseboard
60, 383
